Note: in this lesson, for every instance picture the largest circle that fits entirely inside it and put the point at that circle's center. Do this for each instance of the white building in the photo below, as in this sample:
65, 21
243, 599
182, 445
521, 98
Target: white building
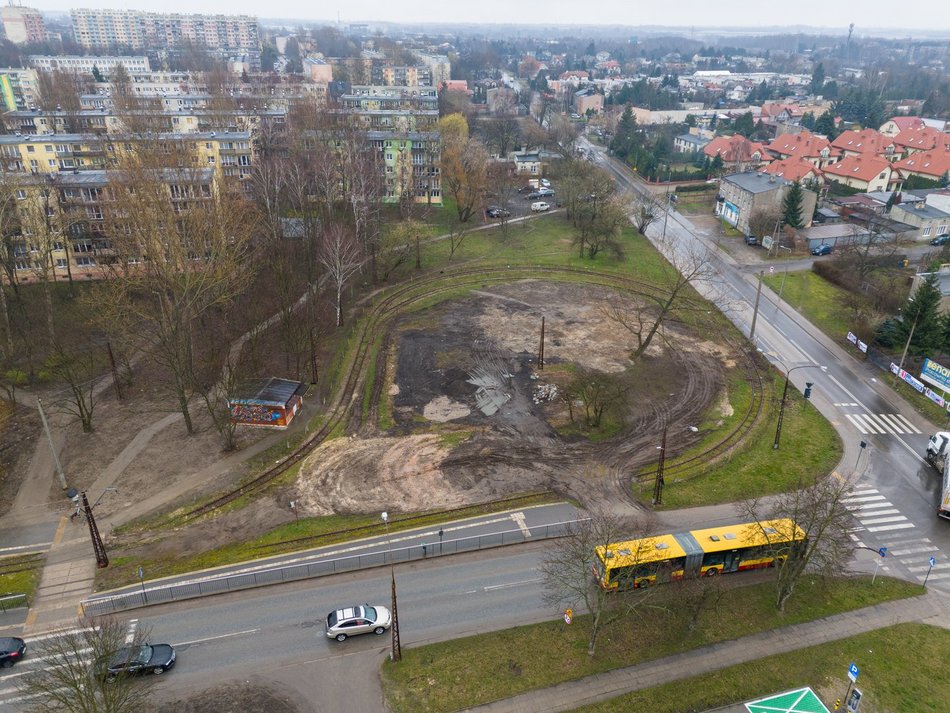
84, 65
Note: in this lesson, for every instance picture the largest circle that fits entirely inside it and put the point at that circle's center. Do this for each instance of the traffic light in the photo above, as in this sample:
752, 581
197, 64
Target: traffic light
808, 385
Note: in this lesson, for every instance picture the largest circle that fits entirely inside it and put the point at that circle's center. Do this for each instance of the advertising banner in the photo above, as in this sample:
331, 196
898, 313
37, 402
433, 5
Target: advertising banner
936, 374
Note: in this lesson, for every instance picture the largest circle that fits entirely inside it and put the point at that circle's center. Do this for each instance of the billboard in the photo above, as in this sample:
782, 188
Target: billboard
936, 374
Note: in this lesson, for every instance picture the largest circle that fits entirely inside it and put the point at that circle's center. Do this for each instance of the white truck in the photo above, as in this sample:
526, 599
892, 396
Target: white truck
938, 455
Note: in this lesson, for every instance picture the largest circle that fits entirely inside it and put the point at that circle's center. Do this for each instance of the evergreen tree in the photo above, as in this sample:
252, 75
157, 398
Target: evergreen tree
808, 121
744, 124
627, 139
716, 165
920, 316
825, 125
792, 206
97, 75
817, 79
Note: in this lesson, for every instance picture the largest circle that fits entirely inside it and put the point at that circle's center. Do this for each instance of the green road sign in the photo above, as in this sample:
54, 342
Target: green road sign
802, 700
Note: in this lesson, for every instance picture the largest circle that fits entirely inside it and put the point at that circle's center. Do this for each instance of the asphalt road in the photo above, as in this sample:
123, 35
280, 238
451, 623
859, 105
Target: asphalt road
896, 493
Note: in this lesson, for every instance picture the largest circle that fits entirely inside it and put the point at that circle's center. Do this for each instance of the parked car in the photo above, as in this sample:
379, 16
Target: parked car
541, 193
12, 649
751, 240
496, 211
363, 619
540, 207
544, 183
940, 239
145, 658
821, 250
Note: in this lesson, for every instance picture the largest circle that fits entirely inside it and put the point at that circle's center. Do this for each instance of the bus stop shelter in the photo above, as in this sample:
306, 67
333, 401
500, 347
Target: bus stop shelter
802, 700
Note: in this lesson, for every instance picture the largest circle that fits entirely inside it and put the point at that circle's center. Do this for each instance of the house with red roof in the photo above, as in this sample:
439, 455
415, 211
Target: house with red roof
794, 169
737, 152
866, 142
921, 138
807, 146
866, 173
893, 126
933, 165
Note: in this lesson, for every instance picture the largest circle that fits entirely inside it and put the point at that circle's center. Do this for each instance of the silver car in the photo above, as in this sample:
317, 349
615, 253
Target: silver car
363, 619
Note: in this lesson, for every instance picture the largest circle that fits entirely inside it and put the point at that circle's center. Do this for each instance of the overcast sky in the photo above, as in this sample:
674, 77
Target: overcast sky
924, 14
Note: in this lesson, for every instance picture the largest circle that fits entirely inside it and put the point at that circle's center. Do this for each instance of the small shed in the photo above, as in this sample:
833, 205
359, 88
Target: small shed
271, 403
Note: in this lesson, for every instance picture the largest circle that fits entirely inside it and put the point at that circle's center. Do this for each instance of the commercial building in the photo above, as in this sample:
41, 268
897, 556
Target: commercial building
84, 65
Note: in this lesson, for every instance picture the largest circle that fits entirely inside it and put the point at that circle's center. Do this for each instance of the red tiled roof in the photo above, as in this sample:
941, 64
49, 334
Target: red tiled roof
866, 141
933, 164
804, 144
733, 149
907, 122
922, 138
863, 168
792, 169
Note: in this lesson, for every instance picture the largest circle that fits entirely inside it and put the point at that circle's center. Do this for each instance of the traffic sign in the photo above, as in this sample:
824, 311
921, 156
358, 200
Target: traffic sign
853, 672
933, 561
882, 552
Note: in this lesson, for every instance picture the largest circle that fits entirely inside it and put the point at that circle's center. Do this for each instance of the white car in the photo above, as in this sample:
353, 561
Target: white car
344, 623
540, 207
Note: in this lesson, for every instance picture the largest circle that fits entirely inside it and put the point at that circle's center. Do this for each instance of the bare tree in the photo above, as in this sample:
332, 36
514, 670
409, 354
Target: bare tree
71, 680
342, 257
596, 392
78, 366
566, 572
645, 314
646, 211
181, 248
818, 509
399, 242
764, 222
503, 184
599, 223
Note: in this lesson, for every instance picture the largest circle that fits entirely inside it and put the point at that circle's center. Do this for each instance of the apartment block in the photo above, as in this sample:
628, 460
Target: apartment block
23, 24
84, 65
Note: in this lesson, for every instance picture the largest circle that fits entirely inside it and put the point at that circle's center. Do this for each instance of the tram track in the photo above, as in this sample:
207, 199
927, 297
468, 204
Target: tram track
373, 326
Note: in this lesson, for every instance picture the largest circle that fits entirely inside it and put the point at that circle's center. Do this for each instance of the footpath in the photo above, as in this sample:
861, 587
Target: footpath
931, 608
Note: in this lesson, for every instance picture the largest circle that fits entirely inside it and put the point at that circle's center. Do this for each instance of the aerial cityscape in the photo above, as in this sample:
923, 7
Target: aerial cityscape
404, 359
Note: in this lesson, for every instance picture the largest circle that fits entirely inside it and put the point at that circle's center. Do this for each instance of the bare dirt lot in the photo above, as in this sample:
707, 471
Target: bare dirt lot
471, 367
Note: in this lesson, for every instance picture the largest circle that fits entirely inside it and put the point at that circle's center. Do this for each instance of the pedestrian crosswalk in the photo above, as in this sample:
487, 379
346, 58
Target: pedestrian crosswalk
881, 423
880, 524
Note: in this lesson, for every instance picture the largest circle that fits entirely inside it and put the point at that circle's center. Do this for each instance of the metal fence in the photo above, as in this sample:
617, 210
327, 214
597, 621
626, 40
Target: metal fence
148, 596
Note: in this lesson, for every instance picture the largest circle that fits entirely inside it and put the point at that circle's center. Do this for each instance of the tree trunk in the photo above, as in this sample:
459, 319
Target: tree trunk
7, 329
339, 305
50, 325
183, 407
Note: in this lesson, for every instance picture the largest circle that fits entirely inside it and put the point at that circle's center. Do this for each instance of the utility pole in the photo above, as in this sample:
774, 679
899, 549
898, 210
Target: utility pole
755, 310
658, 485
910, 338
541, 348
52, 446
102, 559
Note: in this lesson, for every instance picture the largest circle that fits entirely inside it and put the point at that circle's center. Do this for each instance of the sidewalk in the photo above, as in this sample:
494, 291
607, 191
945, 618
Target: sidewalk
931, 608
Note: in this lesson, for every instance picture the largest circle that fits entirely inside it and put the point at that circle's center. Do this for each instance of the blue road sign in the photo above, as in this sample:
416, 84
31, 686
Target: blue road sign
853, 672
882, 552
933, 561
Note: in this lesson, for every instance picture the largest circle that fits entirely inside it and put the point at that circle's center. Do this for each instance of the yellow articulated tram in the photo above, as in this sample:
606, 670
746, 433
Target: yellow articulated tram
697, 553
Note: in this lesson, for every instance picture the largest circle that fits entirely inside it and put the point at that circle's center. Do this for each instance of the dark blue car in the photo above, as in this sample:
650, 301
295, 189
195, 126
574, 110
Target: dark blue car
821, 250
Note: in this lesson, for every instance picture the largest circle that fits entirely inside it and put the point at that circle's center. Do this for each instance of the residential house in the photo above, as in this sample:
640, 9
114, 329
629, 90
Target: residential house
806, 146
866, 142
528, 163
795, 169
932, 165
929, 221
588, 100
864, 172
922, 138
737, 153
689, 143
744, 195
895, 125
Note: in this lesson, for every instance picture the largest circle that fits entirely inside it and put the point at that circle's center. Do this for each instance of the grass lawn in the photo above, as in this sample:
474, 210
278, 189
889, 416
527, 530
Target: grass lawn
809, 447
20, 574
902, 669
821, 302
466, 672
308, 532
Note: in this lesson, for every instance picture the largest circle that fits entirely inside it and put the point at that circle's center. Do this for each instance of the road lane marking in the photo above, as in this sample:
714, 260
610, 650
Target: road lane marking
39, 547
882, 520
130, 634
892, 422
215, 638
885, 528
518, 517
493, 587
909, 425
857, 423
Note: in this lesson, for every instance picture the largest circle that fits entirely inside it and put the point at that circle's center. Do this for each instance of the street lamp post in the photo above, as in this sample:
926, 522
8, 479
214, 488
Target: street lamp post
396, 654
781, 411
